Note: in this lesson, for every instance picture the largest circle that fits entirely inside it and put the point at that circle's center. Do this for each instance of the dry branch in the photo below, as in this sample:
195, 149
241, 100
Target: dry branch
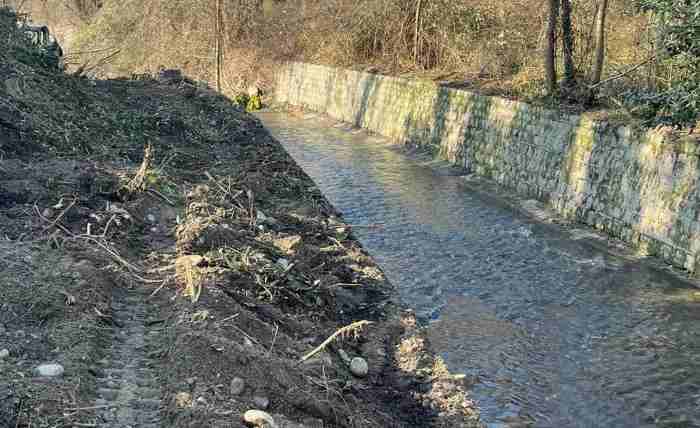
138, 183
349, 329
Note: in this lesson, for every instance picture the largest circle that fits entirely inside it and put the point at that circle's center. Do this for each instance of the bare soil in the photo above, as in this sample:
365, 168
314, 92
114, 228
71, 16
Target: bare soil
212, 274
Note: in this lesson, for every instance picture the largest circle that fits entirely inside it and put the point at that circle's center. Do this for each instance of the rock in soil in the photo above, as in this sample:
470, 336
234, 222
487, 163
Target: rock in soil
258, 418
50, 370
261, 402
359, 367
4, 353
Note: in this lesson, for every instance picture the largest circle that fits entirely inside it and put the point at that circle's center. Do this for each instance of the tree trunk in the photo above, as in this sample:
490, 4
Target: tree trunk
550, 51
416, 37
600, 41
568, 46
218, 45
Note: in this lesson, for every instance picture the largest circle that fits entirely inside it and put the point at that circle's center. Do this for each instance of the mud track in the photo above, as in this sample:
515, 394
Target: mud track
128, 385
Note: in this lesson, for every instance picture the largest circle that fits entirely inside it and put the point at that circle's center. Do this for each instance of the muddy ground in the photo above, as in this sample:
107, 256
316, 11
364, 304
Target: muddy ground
164, 250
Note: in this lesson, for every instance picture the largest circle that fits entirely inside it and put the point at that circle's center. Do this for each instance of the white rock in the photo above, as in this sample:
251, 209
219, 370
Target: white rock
151, 218
4, 353
258, 418
359, 367
283, 262
50, 370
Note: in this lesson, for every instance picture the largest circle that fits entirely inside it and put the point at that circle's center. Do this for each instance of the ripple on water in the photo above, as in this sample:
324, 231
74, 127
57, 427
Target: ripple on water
554, 330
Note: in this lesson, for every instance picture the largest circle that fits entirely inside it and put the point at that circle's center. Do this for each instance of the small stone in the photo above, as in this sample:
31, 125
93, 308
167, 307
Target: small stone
258, 418
237, 386
284, 263
201, 401
47, 213
50, 370
4, 353
359, 367
183, 399
261, 402
151, 218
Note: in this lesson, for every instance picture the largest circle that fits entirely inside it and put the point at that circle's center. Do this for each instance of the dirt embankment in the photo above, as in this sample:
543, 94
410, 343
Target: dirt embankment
184, 287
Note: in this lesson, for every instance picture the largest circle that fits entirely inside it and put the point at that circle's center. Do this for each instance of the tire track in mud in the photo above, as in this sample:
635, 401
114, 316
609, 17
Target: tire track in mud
128, 388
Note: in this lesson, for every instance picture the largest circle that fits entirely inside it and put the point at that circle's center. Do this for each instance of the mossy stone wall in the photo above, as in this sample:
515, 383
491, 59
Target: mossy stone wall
638, 186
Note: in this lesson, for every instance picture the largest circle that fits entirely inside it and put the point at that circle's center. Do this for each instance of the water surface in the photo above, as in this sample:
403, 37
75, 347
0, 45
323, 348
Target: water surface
556, 329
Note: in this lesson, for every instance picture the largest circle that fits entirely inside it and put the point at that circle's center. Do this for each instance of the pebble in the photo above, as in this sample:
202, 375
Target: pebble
151, 218
261, 402
4, 353
237, 386
202, 401
50, 370
359, 367
183, 399
258, 418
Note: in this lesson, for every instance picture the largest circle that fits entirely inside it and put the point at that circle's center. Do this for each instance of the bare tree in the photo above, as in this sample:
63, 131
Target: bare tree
218, 44
550, 51
600, 41
568, 46
416, 39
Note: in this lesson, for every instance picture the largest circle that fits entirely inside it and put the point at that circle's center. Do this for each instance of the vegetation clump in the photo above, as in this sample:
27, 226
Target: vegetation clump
675, 100
247, 102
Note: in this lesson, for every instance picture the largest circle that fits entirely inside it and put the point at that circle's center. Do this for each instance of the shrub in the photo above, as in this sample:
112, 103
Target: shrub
677, 100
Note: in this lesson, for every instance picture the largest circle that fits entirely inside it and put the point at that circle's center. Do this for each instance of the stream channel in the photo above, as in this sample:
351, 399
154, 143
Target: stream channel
555, 326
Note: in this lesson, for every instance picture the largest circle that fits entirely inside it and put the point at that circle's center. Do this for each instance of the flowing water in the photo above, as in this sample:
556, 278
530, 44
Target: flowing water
555, 327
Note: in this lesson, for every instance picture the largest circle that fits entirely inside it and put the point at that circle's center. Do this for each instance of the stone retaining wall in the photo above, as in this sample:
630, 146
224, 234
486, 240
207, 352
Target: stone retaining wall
638, 186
